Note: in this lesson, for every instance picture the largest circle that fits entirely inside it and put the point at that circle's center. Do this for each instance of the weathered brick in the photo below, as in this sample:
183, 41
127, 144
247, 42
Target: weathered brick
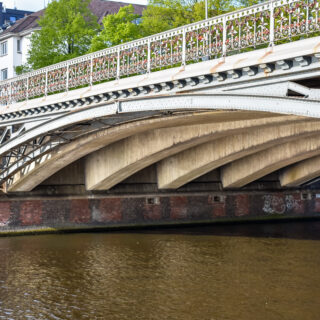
161, 209
31, 213
198, 208
219, 210
132, 210
241, 205
56, 212
80, 211
152, 212
178, 208
317, 205
110, 210
5, 213
294, 204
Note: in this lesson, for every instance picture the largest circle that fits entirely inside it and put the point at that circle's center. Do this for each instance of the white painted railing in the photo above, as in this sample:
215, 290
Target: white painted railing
261, 25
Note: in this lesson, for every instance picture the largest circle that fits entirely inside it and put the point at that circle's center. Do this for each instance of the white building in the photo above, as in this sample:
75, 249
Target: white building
14, 44
15, 41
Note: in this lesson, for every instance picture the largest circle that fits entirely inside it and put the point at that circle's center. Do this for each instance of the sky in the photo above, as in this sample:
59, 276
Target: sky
35, 5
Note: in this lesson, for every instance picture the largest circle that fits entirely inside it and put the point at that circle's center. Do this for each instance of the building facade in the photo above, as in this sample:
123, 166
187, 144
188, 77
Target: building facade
10, 16
14, 44
15, 40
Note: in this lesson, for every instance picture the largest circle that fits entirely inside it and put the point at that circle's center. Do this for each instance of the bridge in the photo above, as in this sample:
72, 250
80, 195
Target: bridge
227, 103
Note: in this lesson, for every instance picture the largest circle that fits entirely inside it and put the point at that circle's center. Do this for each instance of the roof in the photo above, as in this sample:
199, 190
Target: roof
100, 8
26, 23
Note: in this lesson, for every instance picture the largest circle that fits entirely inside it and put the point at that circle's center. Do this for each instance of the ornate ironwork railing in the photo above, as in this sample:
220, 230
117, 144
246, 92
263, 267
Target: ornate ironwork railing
266, 24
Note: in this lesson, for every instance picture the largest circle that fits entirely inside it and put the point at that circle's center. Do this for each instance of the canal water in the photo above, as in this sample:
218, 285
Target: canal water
226, 272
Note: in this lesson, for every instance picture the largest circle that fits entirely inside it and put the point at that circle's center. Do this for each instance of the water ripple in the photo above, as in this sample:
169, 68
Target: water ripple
174, 275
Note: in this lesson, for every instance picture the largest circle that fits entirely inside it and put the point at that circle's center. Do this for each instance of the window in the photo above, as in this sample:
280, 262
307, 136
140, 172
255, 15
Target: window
18, 45
4, 74
3, 48
13, 19
137, 21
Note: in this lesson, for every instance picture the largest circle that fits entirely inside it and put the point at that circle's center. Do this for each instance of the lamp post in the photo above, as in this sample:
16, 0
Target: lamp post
206, 8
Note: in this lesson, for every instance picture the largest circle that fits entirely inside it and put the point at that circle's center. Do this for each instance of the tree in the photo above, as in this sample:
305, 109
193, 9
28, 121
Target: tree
248, 3
118, 28
215, 8
24, 68
159, 16
67, 28
162, 15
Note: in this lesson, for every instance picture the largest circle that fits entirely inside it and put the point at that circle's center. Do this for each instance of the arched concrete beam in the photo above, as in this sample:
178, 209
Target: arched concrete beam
41, 169
301, 172
241, 172
181, 168
109, 166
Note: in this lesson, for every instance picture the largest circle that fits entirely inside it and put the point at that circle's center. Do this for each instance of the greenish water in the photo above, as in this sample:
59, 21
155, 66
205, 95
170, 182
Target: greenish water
225, 272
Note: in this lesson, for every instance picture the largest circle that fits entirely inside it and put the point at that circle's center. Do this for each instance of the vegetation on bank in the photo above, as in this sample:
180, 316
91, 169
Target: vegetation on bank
69, 29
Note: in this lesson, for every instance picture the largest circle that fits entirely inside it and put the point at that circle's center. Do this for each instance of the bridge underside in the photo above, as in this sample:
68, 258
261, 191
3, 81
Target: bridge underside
182, 151
248, 121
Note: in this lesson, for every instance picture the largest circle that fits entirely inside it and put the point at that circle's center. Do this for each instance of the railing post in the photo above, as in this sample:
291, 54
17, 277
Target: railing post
46, 85
271, 44
67, 77
118, 64
224, 37
149, 57
27, 93
206, 9
10, 93
184, 47
307, 18
91, 70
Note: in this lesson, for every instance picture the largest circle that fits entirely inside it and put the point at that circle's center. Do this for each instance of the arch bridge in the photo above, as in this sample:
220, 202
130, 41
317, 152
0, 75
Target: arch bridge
227, 101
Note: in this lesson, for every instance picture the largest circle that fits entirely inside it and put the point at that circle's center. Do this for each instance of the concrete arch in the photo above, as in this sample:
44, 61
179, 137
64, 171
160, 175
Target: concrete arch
181, 168
39, 170
241, 172
109, 166
301, 172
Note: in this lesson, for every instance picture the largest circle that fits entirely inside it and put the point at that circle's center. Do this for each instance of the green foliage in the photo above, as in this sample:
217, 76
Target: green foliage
248, 3
22, 69
67, 28
118, 28
162, 15
215, 8
159, 16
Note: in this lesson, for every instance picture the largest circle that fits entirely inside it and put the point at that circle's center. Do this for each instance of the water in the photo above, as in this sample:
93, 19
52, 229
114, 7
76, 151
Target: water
215, 273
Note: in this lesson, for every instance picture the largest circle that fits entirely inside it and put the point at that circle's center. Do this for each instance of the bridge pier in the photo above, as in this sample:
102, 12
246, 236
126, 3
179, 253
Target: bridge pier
51, 214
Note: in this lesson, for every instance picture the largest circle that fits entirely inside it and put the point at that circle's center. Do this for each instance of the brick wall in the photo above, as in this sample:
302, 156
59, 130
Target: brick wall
62, 213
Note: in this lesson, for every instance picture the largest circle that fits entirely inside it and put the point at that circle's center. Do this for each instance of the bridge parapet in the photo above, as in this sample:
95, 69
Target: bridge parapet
250, 28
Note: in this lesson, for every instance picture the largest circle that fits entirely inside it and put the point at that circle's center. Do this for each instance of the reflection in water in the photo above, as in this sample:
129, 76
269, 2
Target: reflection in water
222, 272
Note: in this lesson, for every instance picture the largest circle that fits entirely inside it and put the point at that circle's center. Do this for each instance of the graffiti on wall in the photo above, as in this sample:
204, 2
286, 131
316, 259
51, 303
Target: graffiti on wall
275, 204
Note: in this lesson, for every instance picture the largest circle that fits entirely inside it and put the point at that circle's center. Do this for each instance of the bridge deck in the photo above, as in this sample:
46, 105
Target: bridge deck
237, 93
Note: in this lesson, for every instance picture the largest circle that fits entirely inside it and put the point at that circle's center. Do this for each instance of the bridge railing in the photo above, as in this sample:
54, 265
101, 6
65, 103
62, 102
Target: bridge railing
261, 25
